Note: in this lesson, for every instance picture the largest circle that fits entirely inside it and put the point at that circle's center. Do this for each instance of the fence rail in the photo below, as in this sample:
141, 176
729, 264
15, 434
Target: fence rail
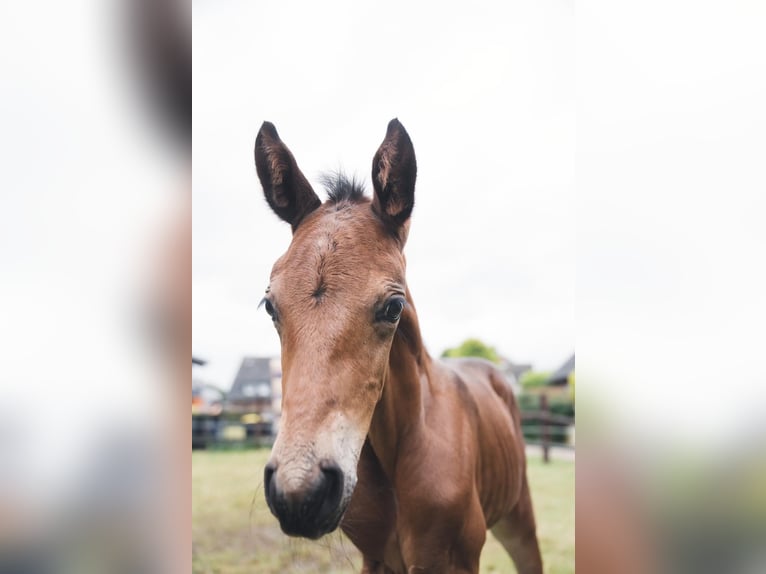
541, 428
546, 421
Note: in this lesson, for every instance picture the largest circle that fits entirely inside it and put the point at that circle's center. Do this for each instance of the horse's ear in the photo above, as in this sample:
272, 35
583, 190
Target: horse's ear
393, 177
287, 190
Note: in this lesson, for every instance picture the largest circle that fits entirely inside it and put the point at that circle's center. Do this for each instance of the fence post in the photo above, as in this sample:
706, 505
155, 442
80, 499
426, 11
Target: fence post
544, 420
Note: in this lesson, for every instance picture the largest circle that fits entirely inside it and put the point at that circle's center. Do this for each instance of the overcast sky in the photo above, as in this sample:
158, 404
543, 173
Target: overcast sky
487, 96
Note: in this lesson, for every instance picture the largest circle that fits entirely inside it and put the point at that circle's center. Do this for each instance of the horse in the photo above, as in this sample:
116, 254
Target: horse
414, 458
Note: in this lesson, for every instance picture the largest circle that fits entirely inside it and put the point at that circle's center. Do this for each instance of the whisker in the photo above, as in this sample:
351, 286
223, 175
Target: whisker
252, 506
343, 549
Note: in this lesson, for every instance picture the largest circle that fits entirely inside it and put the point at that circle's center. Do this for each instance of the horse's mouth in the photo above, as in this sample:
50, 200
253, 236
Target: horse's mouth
304, 529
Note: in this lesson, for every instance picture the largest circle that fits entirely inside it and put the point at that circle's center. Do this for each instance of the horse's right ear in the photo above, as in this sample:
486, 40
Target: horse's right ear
287, 190
394, 170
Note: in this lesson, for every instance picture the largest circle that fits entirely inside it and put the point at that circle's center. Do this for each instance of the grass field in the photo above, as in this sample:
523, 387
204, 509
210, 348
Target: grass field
233, 531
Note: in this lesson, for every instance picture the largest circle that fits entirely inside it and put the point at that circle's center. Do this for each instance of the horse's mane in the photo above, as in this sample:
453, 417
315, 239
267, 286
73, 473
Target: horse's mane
341, 187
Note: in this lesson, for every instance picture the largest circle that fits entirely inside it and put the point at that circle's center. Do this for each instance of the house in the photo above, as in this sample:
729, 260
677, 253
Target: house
256, 386
560, 377
513, 372
207, 405
254, 401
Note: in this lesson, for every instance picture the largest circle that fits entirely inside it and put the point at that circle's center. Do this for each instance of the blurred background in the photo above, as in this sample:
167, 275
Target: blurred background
95, 258
670, 287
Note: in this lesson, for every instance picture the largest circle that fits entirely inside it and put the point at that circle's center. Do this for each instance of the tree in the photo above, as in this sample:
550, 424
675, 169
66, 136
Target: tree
473, 348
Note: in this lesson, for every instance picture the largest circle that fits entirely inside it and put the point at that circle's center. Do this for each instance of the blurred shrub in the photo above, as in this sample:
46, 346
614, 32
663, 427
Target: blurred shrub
473, 348
534, 379
572, 385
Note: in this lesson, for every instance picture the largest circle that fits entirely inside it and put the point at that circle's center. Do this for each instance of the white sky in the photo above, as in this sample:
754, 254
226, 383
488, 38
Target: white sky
487, 96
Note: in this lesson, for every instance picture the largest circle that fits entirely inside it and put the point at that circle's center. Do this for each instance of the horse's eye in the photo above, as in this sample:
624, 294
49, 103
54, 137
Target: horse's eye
393, 309
270, 309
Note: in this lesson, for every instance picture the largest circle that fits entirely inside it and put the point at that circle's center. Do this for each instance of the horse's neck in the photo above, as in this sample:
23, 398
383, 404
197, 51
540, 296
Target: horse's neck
400, 409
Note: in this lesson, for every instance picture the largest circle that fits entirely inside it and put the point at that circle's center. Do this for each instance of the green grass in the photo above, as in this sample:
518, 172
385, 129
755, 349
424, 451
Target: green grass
233, 531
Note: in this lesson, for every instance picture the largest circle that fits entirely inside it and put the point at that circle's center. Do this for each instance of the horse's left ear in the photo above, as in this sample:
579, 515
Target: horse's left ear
393, 177
286, 189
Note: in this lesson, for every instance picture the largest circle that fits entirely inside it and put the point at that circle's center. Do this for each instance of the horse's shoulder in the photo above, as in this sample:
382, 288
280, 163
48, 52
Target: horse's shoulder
468, 364
476, 373
475, 369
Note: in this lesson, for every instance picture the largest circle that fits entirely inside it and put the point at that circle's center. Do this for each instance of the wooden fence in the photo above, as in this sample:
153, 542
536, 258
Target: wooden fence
216, 431
544, 421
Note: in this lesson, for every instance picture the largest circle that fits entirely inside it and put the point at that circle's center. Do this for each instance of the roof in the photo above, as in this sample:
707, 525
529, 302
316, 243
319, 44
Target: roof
513, 366
252, 371
561, 375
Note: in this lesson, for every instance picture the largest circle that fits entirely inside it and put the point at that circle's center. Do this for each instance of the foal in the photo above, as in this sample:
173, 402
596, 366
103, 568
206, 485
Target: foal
414, 458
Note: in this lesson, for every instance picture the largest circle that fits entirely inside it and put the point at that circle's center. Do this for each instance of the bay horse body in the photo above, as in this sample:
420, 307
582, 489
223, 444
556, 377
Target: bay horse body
412, 457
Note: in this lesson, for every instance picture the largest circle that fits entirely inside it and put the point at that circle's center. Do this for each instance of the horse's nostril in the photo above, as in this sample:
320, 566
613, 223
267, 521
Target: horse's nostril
333, 487
268, 483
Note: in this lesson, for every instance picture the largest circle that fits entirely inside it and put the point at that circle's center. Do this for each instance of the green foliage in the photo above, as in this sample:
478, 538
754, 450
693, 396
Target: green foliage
528, 402
563, 406
473, 348
572, 385
534, 379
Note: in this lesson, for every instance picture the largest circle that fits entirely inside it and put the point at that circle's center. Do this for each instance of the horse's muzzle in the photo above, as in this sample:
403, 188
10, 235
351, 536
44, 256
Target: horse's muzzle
310, 511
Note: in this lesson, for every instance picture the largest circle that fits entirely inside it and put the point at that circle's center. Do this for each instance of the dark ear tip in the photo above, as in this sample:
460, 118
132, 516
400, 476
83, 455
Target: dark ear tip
396, 127
394, 124
267, 128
